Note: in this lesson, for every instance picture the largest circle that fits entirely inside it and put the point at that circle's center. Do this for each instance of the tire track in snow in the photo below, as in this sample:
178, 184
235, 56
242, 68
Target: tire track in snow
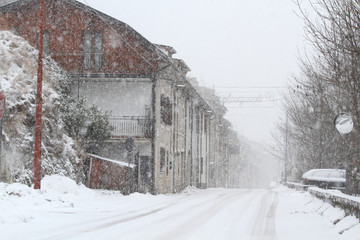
193, 221
76, 226
195, 205
185, 217
103, 223
264, 225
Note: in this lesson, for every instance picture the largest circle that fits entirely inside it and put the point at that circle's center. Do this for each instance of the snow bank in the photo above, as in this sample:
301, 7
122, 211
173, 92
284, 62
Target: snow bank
19, 203
311, 210
62, 185
341, 209
350, 204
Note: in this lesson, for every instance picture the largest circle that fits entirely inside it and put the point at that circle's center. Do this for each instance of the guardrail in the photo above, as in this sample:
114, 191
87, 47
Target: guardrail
298, 186
350, 204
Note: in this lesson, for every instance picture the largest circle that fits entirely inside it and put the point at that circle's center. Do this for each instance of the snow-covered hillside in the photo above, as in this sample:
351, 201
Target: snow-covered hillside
18, 75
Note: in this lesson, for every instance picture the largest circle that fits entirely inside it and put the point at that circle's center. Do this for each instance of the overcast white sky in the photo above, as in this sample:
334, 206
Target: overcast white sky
245, 45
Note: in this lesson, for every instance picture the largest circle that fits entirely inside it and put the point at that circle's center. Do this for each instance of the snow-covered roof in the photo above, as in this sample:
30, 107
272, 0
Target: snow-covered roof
111, 21
118, 162
325, 175
182, 65
167, 50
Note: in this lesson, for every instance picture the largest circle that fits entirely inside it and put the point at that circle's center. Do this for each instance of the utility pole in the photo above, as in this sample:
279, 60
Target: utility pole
38, 121
286, 149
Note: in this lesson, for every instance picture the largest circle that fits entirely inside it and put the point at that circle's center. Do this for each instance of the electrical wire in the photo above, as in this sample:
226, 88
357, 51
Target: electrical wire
163, 57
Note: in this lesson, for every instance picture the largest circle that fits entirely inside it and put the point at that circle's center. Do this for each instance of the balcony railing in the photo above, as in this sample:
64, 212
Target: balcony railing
133, 126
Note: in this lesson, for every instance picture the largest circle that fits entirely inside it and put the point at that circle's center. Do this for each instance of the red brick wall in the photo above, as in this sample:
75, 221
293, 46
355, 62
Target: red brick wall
3, 23
124, 49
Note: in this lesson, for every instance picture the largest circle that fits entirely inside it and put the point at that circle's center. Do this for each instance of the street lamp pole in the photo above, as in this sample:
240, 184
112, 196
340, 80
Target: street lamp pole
344, 124
346, 163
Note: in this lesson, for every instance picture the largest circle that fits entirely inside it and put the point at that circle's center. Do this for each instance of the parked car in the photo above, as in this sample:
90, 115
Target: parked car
325, 178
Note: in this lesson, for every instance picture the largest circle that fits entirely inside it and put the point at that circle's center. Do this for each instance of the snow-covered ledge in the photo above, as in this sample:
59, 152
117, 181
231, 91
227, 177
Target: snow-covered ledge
298, 186
350, 204
118, 162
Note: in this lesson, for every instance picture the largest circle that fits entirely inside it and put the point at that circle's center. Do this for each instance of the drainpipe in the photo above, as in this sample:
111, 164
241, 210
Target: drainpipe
153, 134
208, 152
191, 125
185, 144
174, 139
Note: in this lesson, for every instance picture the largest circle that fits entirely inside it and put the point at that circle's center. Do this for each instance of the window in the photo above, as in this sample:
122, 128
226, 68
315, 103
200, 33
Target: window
93, 45
197, 116
162, 159
87, 49
170, 166
98, 50
165, 110
178, 165
167, 163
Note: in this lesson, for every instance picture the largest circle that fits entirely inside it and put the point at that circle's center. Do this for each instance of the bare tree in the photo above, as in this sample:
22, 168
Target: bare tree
329, 83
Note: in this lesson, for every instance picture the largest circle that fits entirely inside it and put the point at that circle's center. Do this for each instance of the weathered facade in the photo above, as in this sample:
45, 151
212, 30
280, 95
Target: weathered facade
146, 91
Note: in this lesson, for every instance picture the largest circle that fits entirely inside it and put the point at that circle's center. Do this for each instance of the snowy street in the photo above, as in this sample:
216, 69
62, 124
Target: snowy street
179, 120
64, 210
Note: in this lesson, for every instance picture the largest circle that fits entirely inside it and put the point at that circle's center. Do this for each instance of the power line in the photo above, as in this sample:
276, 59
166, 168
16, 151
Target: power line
250, 107
176, 68
243, 87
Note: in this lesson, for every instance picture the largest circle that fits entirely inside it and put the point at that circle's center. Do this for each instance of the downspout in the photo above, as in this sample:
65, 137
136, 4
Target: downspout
199, 151
191, 115
153, 134
174, 139
78, 87
185, 144
208, 153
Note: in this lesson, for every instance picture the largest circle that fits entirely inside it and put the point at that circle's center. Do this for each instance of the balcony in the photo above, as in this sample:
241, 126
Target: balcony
130, 126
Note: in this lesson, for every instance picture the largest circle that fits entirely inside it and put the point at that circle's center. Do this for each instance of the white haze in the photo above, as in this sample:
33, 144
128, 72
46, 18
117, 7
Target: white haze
245, 46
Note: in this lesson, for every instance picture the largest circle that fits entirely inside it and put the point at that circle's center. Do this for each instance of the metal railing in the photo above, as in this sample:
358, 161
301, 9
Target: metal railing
130, 126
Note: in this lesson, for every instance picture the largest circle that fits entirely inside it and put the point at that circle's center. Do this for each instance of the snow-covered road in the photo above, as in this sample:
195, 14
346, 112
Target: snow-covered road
67, 211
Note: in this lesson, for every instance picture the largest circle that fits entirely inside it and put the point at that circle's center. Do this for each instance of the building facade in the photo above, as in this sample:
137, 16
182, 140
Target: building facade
145, 90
